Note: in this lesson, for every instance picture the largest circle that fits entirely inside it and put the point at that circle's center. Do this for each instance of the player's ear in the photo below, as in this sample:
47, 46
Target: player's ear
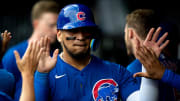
59, 35
131, 33
35, 23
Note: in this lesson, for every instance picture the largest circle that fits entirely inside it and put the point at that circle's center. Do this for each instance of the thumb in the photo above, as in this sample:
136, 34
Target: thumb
140, 74
16, 54
55, 54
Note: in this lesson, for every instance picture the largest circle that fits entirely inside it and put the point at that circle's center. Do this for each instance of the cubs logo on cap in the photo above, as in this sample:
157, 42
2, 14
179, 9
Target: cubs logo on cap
75, 16
105, 90
81, 16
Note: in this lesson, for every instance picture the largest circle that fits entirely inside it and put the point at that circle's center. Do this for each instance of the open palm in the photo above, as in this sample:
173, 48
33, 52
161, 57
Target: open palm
46, 62
152, 42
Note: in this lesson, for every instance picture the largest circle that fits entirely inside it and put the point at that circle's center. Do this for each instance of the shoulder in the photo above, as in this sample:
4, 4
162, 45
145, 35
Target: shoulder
134, 66
19, 47
106, 64
8, 59
6, 75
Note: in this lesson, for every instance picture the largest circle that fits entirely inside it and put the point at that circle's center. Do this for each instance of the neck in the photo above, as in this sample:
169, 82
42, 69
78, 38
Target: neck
77, 63
35, 36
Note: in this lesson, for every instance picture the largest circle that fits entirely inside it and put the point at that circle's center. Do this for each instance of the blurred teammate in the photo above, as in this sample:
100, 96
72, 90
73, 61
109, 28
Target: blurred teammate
138, 24
44, 17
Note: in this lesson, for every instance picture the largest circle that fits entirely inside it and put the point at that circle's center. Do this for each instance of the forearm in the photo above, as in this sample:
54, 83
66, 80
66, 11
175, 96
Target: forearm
171, 78
41, 86
27, 93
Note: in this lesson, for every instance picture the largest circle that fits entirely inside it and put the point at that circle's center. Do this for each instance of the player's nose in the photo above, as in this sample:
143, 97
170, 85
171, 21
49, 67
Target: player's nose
80, 36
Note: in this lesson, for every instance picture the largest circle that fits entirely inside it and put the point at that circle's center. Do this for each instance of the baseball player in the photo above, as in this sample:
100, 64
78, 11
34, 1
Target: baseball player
138, 23
75, 74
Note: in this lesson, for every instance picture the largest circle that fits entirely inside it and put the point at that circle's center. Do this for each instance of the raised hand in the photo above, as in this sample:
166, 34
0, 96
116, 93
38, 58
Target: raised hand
154, 69
29, 62
6, 36
47, 62
151, 41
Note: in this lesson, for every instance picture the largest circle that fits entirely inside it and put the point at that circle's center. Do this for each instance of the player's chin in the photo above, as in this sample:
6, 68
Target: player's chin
81, 50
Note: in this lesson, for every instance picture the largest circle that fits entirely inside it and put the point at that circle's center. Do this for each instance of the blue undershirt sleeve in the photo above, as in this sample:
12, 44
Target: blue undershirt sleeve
41, 85
171, 78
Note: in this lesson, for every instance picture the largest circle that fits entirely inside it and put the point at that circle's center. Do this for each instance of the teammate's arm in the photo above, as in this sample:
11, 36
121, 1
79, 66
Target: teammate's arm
155, 69
27, 66
46, 64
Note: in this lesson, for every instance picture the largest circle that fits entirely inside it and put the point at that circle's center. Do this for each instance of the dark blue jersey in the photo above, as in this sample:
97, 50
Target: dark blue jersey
6, 82
98, 80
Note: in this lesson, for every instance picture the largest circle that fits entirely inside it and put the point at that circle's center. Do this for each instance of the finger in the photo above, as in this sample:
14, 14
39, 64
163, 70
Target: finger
48, 47
41, 42
17, 56
149, 36
37, 48
55, 54
156, 34
140, 55
33, 50
164, 45
6, 31
40, 53
141, 74
160, 41
45, 42
28, 50
3, 34
9, 35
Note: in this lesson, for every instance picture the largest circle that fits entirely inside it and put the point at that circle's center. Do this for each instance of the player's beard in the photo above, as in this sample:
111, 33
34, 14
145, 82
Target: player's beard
78, 56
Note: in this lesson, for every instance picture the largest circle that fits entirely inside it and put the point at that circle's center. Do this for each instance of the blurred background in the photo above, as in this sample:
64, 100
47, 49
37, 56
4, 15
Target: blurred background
109, 15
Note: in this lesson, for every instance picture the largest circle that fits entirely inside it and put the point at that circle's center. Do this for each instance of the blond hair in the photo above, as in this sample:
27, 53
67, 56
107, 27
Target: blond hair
43, 7
142, 20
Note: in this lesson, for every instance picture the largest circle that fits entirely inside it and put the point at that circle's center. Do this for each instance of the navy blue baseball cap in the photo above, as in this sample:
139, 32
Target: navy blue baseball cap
75, 16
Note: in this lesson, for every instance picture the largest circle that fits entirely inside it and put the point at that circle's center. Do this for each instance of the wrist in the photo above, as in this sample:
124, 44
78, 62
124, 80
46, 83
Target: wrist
162, 71
28, 75
43, 71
